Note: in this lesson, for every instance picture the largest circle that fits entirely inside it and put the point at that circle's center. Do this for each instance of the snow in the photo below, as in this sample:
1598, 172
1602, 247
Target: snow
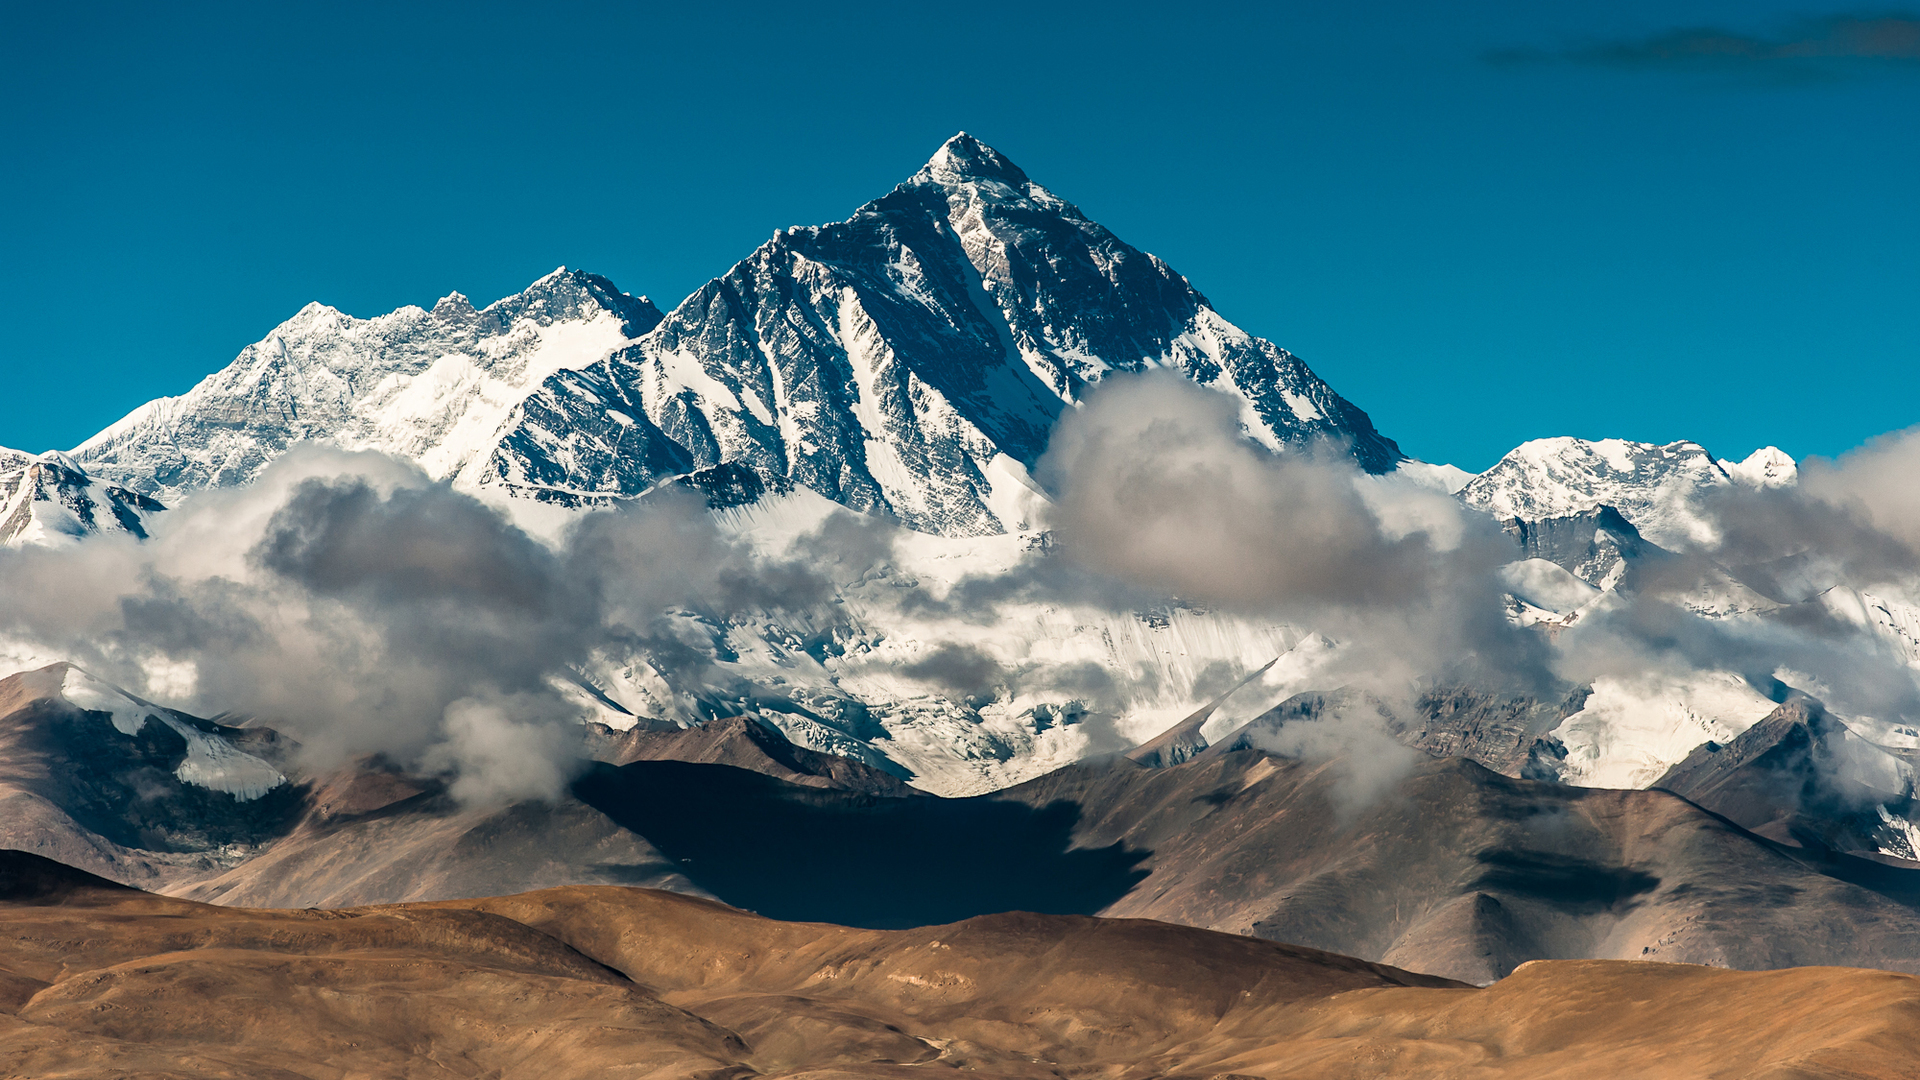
952, 747
437, 387
1302, 408
1657, 488
1768, 466
83, 691
1632, 730
211, 761
1448, 479
1894, 621
48, 501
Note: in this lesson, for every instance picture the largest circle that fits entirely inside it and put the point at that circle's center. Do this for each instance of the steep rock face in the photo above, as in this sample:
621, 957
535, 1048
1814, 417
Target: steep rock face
1597, 546
913, 358
51, 500
435, 386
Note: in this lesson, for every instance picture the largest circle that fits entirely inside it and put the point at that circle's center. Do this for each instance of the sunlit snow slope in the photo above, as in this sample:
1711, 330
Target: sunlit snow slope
436, 386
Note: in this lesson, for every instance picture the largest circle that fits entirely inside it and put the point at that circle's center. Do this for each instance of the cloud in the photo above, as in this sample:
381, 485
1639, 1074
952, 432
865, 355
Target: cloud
1350, 734
364, 608
1849, 524
1157, 488
1811, 50
966, 670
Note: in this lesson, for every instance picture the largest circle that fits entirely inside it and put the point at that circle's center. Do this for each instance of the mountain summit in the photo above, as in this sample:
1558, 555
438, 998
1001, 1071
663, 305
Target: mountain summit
913, 358
909, 360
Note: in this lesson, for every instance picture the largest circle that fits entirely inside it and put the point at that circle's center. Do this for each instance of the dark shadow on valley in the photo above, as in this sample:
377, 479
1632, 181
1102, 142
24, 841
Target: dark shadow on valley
819, 855
1567, 882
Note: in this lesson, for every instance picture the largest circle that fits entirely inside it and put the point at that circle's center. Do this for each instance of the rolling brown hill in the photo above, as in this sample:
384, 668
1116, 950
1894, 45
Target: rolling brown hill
98, 979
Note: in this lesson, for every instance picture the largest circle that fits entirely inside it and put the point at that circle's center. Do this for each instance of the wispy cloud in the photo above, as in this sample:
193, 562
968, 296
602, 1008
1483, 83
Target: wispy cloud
1811, 50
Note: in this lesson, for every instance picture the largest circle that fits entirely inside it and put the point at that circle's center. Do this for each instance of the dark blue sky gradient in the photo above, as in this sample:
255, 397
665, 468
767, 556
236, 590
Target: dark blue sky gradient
1477, 253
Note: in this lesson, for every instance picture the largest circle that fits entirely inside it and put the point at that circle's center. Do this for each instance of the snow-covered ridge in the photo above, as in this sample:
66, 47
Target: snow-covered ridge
1444, 478
50, 500
211, 762
435, 386
1657, 488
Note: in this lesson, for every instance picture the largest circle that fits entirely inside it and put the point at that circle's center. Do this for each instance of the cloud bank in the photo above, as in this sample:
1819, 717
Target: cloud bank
367, 609
1811, 50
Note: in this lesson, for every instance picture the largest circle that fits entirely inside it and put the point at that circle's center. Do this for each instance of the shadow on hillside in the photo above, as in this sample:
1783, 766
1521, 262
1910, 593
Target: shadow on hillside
816, 855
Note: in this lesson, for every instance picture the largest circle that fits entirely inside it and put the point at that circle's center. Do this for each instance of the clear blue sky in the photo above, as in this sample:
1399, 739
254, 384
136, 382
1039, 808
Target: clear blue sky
1481, 221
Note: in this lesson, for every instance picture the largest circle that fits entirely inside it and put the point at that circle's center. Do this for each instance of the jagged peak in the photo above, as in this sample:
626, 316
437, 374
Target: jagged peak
60, 459
965, 159
1768, 466
314, 309
454, 303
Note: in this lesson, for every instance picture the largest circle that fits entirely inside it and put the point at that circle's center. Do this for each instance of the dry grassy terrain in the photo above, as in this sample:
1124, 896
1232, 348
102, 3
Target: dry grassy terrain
101, 980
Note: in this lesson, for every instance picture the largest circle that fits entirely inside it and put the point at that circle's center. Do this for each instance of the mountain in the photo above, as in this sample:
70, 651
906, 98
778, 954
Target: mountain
912, 359
1439, 866
102, 779
1657, 488
1803, 778
909, 360
434, 386
49, 499
101, 980
94, 776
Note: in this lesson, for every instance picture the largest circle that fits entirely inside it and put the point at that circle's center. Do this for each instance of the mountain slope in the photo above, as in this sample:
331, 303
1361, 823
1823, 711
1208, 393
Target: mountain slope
49, 499
98, 778
1447, 868
1450, 869
912, 359
435, 386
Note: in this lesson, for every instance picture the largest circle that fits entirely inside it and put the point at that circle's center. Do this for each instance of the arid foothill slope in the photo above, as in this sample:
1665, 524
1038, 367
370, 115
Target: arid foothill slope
1449, 869
97, 979
1445, 868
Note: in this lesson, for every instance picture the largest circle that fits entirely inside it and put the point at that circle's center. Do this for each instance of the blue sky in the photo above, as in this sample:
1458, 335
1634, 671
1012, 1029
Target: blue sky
1482, 222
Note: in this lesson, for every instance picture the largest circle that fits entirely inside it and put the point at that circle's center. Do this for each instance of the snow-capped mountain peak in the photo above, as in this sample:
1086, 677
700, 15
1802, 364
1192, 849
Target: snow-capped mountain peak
48, 499
965, 159
1658, 488
912, 358
1768, 466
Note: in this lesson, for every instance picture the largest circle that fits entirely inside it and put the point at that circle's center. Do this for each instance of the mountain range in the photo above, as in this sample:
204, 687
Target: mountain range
1106, 753
1454, 870
910, 360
